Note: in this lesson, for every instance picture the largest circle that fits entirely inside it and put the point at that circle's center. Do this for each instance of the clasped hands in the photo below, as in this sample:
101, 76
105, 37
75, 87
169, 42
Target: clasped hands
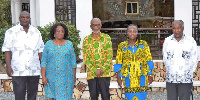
99, 72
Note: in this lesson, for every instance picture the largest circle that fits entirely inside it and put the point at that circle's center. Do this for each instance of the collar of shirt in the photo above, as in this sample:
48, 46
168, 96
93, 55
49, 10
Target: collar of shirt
100, 36
31, 29
173, 38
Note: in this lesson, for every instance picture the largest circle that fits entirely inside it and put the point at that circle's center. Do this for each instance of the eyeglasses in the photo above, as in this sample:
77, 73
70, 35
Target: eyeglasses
93, 25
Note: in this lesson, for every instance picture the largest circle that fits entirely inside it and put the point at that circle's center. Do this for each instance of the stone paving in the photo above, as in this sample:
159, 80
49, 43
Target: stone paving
151, 96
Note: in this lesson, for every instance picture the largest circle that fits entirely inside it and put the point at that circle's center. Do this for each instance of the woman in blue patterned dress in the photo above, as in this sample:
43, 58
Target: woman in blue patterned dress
58, 64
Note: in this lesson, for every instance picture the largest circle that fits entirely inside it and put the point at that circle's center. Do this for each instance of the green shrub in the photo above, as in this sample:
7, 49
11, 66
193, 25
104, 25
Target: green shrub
45, 31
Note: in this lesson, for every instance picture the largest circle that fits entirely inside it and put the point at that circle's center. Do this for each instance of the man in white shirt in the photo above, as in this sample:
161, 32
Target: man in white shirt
23, 47
180, 59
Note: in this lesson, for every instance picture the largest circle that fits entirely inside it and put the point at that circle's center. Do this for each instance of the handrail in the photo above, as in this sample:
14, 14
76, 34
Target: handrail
138, 29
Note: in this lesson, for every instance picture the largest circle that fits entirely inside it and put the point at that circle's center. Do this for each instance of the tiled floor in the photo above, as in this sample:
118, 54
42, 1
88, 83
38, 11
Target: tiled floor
151, 96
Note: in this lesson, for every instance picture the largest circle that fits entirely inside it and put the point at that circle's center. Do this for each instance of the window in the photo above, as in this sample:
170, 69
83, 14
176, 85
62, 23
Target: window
132, 8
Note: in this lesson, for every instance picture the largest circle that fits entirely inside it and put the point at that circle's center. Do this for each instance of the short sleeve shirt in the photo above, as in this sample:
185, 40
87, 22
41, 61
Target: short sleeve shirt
24, 48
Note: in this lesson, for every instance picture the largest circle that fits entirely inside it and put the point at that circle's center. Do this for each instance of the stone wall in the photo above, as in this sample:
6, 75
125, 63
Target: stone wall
81, 87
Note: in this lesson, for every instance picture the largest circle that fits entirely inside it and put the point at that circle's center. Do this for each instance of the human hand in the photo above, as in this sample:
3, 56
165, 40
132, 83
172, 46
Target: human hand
150, 79
98, 72
44, 80
9, 71
119, 81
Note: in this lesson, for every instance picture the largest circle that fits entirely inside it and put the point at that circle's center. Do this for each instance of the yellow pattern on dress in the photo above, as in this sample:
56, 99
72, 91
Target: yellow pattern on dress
135, 98
134, 61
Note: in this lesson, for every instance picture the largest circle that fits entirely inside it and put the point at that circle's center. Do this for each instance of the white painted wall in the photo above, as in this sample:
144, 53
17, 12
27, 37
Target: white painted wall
183, 11
45, 12
83, 18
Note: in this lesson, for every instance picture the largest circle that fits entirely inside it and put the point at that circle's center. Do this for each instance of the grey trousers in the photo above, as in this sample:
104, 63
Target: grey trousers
178, 90
23, 83
97, 85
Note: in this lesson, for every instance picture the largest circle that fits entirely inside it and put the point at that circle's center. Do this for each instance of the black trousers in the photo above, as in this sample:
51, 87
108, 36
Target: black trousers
23, 83
97, 85
178, 90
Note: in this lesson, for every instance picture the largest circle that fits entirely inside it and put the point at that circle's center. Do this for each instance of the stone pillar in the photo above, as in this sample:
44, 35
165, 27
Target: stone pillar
33, 12
83, 18
183, 11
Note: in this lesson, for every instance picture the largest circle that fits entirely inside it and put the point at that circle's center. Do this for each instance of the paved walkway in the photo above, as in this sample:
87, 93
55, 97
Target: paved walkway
151, 96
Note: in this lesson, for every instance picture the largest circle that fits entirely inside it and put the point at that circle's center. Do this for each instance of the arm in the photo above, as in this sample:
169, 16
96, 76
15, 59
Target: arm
118, 65
44, 60
74, 71
7, 46
87, 57
149, 62
41, 47
109, 53
73, 61
194, 55
9, 70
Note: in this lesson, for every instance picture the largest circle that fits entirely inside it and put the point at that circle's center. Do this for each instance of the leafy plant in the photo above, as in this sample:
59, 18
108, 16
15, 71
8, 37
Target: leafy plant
5, 13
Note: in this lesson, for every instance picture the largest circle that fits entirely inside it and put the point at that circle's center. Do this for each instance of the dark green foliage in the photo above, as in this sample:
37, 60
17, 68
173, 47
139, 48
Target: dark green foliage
5, 13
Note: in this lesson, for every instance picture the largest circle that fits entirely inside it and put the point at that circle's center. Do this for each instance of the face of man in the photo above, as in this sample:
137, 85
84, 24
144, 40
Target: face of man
24, 19
132, 33
177, 30
95, 26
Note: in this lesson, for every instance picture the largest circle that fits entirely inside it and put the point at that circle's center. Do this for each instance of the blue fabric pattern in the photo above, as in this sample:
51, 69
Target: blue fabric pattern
59, 62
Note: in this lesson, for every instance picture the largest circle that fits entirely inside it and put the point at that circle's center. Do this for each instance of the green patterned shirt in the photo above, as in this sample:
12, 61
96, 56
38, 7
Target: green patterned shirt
97, 54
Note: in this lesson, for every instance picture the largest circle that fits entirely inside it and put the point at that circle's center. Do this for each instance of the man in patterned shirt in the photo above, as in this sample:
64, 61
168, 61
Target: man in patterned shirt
180, 59
23, 48
97, 54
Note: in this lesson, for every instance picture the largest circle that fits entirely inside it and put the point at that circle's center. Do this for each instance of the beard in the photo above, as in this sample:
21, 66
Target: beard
96, 32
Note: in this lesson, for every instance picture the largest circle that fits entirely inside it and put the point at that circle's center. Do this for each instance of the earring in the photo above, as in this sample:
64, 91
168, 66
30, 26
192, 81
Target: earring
54, 35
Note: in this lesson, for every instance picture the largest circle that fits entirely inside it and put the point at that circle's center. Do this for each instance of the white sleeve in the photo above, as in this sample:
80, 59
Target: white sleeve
7, 44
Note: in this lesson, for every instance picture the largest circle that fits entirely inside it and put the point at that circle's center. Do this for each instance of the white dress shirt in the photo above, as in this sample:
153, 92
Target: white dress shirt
24, 48
180, 59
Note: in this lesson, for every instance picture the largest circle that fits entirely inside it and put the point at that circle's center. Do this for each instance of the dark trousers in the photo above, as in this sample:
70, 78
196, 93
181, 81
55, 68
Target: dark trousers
23, 83
97, 85
178, 90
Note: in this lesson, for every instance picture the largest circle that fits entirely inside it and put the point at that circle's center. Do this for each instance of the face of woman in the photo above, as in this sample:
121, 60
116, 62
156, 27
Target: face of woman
132, 33
59, 33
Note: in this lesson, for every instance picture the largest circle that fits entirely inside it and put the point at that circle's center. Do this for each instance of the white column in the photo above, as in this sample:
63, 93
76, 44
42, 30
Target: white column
45, 12
17, 9
183, 11
33, 12
83, 18
13, 11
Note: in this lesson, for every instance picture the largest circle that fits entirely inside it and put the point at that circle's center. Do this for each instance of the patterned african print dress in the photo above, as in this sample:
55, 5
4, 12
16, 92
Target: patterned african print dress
135, 64
59, 62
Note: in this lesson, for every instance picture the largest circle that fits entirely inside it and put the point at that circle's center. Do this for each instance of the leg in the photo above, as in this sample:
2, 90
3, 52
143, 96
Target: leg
104, 83
93, 89
184, 91
32, 87
19, 87
172, 91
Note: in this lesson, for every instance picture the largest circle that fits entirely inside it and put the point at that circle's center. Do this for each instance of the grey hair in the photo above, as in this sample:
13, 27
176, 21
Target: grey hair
95, 19
24, 12
132, 25
178, 21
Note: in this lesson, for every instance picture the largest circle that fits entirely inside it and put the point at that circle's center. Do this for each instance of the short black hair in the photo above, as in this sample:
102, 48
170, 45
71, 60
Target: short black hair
53, 30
